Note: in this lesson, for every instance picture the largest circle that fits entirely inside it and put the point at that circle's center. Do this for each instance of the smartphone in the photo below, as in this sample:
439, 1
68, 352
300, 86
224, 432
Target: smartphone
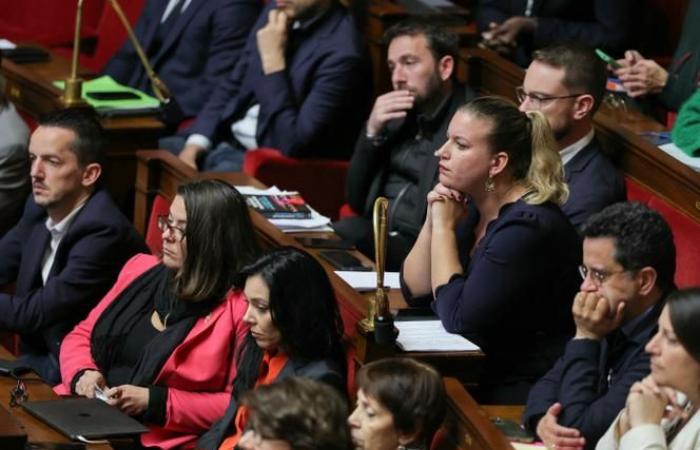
608, 59
342, 260
512, 431
112, 95
336, 244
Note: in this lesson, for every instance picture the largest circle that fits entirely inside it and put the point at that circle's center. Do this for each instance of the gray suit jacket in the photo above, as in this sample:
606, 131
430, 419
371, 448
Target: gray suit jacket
14, 166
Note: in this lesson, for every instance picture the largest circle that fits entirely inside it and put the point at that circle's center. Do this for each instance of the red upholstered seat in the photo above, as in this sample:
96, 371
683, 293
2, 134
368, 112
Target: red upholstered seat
161, 207
321, 182
686, 231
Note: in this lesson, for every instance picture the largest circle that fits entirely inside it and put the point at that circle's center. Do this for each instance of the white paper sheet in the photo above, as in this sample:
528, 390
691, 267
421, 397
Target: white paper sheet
430, 336
367, 281
673, 150
7, 45
317, 222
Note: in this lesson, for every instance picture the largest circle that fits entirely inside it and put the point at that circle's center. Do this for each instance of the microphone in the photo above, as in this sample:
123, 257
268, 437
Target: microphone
384, 332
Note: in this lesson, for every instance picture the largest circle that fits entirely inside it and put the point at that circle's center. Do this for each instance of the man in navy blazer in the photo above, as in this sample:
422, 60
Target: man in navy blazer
629, 261
69, 245
566, 83
300, 86
191, 44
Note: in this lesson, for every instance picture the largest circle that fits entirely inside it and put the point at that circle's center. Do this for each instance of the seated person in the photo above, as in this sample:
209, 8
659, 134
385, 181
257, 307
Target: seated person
191, 44
295, 330
629, 260
661, 410
566, 83
149, 343
401, 403
515, 28
295, 414
14, 162
393, 158
645, 78
686, 129
69, 245
496, 258
299, 86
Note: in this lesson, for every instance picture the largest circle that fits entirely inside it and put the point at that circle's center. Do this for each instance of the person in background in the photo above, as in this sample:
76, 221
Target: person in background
295, 330
661, 410
401, 403
161, 344
69, 245
629, 261
394, 158
295, 414
191, 44
300, 86
645, 78
14, 162
515, 28
496, 252
566, 83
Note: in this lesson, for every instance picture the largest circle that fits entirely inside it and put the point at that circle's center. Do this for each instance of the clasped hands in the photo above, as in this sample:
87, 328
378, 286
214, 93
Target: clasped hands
648, 403
446, 207
131, 399
640, 76
503, 37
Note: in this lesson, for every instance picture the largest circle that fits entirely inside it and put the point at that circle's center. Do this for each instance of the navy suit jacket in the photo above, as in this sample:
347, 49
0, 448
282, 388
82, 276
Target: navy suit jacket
323, 370
314, 107
199, 51
591, 387
87, 261
594, 183
597, 23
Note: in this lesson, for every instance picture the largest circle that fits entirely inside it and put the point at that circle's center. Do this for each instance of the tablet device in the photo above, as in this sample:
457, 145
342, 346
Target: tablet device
343, 260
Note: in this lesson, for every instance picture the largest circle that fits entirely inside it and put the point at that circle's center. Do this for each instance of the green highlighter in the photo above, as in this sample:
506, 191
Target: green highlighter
607, 58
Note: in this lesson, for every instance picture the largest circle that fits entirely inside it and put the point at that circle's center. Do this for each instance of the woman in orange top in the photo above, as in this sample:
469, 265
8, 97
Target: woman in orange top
295, 330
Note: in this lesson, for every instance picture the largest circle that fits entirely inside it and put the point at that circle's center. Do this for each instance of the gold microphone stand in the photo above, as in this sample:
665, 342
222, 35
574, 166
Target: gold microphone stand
72, 93
379, 303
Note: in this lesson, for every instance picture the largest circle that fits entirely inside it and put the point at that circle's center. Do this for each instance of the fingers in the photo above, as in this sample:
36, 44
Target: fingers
555, 409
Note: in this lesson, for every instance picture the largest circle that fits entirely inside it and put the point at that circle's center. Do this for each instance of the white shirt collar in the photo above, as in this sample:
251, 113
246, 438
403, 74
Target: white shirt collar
568, 153
61, 227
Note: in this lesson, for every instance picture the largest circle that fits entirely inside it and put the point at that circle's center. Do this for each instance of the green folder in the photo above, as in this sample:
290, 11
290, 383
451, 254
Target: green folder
143, 104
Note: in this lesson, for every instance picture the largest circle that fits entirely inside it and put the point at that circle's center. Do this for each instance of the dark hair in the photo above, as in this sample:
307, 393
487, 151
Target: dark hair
642, 238
440, 41
527, 138
303, 308
307, 414
684, 312
88, 143
220, 240
413, 392
584, 71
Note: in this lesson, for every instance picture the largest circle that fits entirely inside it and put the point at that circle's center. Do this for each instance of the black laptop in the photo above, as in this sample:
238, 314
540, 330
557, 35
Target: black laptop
85, 418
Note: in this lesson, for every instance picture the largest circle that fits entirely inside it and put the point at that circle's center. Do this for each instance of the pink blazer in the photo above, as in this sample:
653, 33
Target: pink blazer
199, 373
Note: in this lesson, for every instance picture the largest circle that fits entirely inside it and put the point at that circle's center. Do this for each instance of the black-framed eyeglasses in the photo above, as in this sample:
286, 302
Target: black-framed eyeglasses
538, 100
598, 276
164, 224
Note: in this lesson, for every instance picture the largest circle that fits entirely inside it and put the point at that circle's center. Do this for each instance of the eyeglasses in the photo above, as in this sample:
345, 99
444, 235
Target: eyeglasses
537, 100
598, 276
165, 224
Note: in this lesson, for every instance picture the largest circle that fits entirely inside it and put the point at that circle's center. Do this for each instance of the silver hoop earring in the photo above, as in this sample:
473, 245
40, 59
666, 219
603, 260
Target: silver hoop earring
490, 184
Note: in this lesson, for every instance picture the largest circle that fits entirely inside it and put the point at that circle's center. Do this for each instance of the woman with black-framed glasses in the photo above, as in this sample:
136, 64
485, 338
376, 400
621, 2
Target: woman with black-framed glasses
160, 345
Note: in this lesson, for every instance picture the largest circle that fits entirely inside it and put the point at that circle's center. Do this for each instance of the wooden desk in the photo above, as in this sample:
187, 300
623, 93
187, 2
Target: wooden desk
30, 88
37, 431
616, 129
159, 172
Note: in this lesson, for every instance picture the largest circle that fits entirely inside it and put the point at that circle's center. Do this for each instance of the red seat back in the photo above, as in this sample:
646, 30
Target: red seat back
161, 207
685, 233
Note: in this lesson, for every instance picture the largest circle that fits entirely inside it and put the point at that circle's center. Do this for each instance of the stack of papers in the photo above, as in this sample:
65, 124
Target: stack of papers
316, 222
430, 336
143, 104
367, 281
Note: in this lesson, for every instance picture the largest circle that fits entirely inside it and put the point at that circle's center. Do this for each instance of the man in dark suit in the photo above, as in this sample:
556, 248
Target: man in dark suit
300, 86
191, 44
395, 155
566, 83
69, 245
629, 261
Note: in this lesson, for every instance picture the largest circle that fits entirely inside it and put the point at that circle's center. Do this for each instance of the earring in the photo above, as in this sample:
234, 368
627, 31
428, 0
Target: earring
490, 185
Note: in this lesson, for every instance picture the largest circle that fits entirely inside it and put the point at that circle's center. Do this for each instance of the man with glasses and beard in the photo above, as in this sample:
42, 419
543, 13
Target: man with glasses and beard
566, 83
629, 261
394, 155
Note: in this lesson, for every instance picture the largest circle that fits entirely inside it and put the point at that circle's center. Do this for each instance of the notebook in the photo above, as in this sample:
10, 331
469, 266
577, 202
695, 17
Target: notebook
84, 417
